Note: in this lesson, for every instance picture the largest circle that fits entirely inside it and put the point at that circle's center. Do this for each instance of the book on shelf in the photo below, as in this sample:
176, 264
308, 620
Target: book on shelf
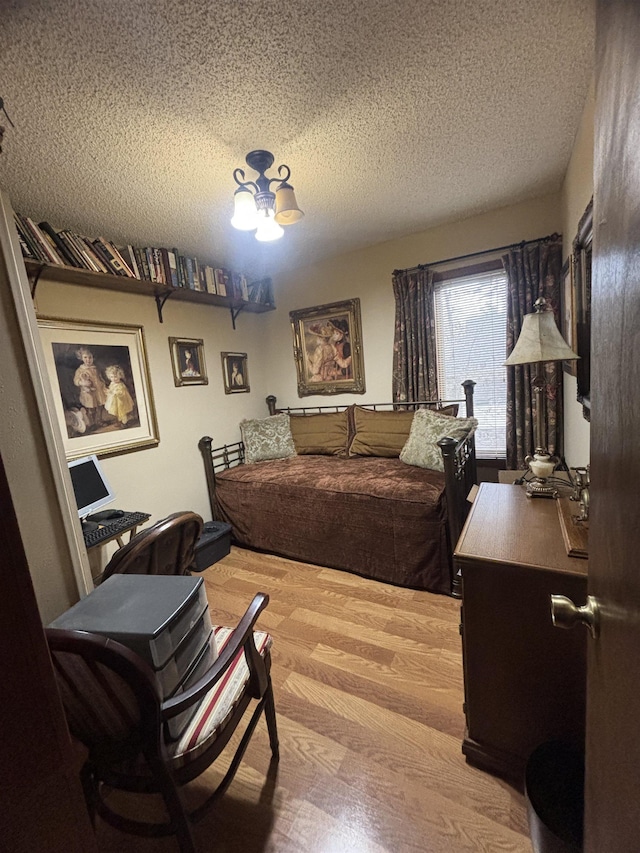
120, 257
173, 268
142, 263
261, 291
27, 251
130, 258
58, 244
78, 252
223, 285
191, 283
209, 279
28, 243
106, 253
51, 254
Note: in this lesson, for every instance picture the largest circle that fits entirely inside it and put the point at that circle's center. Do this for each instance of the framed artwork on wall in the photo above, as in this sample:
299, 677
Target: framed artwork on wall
187, 358
327, 347
101, 386
568, 308
235, 372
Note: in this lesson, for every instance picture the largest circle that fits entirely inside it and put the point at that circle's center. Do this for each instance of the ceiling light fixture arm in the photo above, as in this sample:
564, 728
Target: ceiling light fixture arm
260, 161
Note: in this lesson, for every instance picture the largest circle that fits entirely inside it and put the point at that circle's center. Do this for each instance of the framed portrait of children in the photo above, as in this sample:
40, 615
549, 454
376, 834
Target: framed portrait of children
327, 348
235, 372
101, 388
187, 356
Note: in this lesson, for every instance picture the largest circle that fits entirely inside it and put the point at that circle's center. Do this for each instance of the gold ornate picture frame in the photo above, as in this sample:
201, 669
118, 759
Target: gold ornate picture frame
569, 314
187, 359
235, 372
327, 347
101, 386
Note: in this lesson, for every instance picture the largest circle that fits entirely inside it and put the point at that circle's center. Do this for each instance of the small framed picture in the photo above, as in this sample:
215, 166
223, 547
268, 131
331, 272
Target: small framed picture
187, 357
234, 371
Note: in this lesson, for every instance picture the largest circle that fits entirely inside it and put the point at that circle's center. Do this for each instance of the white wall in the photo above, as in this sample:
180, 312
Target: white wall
170, 477
576, 192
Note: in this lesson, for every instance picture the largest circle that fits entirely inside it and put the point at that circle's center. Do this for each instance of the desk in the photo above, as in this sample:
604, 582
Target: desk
524, 680
129, 524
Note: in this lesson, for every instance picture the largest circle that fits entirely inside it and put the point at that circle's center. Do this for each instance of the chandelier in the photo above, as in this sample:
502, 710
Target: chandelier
256, 207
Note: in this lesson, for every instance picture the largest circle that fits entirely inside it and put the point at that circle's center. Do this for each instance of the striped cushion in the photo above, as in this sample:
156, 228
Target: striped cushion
217, 705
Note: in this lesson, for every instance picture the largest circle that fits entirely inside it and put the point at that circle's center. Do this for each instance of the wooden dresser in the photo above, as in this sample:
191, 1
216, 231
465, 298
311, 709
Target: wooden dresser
524, 679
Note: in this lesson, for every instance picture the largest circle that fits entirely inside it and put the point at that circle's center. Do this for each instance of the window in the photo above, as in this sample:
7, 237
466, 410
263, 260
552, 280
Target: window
471, 339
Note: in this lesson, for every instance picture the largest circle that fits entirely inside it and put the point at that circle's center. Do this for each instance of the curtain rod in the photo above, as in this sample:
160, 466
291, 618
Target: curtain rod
521, 245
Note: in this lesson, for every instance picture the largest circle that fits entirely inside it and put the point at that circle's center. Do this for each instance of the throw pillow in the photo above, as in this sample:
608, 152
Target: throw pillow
427, 429
267, 438
451, 409
324, 434
380, 433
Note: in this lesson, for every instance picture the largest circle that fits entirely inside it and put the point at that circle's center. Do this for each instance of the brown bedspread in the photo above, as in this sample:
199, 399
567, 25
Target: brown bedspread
376, 517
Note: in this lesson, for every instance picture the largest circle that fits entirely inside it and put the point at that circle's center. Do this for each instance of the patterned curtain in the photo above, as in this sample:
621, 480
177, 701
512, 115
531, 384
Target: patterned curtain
414, 347
533, 270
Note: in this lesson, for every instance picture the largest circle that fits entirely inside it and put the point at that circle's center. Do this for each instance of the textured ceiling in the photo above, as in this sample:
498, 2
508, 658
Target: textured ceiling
393, 115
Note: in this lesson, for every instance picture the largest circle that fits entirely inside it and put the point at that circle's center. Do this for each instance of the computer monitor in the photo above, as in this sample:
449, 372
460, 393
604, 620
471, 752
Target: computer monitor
90, 486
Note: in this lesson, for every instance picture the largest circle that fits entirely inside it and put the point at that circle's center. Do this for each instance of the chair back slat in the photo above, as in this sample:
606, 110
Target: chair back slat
166, 548
110, 695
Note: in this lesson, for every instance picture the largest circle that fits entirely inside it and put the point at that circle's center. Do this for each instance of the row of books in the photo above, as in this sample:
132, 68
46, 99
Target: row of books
41, 242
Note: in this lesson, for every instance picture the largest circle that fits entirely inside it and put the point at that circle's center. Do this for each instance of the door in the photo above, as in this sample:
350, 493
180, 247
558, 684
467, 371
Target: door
613, 695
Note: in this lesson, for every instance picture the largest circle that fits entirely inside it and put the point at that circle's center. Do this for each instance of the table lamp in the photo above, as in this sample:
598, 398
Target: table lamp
540, 341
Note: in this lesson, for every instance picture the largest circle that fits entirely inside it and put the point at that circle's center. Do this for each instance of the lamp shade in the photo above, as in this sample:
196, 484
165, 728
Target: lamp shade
287, 210
245, 215
268, 228
540, 339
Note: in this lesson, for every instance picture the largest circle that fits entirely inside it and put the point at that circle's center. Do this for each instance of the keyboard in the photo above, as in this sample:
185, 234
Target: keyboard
114, 528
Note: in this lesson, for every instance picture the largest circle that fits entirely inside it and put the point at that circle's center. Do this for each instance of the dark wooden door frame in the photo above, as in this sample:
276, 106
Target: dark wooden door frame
41, 799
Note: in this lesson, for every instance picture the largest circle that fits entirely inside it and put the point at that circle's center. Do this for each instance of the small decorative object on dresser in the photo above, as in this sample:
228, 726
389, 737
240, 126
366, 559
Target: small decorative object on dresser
235, 372
187, 357
102, 390
327, 347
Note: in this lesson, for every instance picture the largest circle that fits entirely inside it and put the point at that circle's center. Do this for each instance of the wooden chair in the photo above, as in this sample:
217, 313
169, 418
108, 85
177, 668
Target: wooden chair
114, 706
165, 548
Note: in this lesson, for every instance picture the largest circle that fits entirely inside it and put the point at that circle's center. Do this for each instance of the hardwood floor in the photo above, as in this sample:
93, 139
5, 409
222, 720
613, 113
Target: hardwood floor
368, 688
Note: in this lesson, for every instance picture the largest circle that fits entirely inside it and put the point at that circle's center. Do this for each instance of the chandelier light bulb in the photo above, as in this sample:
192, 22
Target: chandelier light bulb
268, 229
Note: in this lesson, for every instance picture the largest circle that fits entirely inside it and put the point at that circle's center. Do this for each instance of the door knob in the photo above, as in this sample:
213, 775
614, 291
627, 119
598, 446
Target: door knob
565, 614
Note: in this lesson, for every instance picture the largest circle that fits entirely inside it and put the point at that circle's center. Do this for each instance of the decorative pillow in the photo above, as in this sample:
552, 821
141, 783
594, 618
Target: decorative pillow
451, 410
324, 434
427, 429
267, 438
379, 433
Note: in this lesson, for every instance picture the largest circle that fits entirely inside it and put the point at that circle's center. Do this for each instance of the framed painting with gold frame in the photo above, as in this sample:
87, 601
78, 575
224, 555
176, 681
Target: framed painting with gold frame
101, 387
327, 347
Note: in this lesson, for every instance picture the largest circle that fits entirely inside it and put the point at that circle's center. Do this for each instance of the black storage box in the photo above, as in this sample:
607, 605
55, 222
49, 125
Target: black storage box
213, 545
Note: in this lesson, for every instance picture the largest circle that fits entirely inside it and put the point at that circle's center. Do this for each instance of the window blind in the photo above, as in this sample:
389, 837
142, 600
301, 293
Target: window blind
471, 339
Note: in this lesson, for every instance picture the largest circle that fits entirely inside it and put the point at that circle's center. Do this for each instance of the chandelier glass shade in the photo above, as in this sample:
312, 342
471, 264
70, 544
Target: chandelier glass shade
256, 207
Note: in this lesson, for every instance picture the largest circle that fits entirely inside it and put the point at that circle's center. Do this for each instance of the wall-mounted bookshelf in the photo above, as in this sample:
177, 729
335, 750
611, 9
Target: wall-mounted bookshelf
61, 255
105, 281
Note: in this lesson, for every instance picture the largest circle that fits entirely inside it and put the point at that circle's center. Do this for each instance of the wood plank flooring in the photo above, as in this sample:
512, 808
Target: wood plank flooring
368, 687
